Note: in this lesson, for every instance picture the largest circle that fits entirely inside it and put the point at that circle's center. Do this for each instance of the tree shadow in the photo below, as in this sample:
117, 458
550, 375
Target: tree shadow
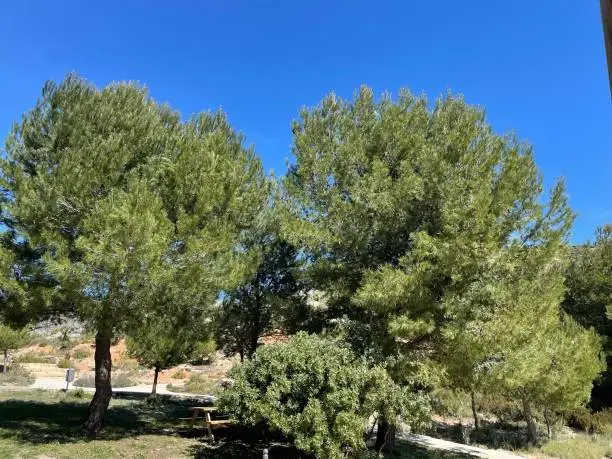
494, 435
36, 422
237, 442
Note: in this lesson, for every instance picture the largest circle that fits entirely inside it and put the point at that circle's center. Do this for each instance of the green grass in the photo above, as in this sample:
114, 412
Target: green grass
196, 384
48, 424
582, 446
33, 357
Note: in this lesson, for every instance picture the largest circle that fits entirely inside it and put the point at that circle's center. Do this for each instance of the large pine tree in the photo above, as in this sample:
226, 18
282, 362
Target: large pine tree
417, 222
121, 198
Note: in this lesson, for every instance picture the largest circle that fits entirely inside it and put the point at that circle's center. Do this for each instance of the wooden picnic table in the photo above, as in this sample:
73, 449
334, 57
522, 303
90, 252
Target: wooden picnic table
206, 411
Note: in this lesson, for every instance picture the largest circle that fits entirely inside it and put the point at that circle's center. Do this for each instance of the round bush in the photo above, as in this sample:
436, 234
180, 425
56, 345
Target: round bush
315, 392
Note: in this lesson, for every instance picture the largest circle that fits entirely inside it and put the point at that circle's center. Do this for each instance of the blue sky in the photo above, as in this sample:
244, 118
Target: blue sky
538, 67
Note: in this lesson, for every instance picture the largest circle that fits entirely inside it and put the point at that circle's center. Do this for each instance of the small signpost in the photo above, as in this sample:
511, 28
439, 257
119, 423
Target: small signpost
69, 377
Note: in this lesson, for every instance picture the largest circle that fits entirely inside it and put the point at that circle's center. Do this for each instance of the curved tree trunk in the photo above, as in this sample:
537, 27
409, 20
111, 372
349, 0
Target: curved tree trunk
385, 436
101, 399
154, 389
474, 412
532, 430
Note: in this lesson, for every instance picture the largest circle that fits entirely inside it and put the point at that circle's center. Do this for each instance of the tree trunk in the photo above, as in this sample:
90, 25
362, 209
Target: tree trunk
254, 338
101, 399
385, 436
154, 390
532, 431
5, 361
241, 352
253, 342
474, 412
548, 423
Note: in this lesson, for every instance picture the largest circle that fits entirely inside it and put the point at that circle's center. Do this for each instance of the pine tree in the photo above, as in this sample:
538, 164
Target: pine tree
10, 338
405, 212
162, 343
266, 301
120, 197
589, 300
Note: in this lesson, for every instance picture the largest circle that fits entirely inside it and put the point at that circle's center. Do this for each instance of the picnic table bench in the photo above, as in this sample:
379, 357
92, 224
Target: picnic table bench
206, 411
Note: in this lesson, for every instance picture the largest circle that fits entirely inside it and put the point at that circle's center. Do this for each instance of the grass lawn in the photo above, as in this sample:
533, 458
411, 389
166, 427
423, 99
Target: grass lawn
582, 446
45, 424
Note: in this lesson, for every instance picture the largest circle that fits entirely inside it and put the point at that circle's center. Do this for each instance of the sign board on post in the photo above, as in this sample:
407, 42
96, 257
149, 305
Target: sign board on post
69, 377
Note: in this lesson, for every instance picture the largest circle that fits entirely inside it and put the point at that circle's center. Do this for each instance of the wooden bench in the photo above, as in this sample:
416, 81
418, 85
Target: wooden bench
206, 411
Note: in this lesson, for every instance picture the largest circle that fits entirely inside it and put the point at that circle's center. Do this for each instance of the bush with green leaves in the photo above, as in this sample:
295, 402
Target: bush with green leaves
10, 339
118, 380
65, 362
33, 357
318, 394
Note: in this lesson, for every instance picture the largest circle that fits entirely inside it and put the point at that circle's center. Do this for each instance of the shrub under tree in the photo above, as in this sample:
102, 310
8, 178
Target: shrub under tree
318, 394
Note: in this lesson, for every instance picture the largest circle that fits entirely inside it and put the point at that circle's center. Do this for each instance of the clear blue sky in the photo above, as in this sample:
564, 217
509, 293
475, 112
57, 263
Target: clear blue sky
538, 67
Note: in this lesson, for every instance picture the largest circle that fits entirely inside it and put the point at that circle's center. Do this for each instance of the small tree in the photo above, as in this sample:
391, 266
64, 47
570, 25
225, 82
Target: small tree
10, 339
575, 360
317, 393
161, 344
264, 301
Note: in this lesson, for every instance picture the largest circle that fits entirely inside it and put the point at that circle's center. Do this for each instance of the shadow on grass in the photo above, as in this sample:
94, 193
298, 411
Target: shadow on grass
39, 422
235, 442
490, 434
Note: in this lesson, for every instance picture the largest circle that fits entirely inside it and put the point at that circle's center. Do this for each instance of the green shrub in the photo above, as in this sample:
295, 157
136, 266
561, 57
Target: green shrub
196, 384
179, 374
81, 353
452, 403
78, 393
65, 363
592, 422
86, 380
33, 357
317, 393
122, 380
117, 381
205, 352
505, 409
17, 376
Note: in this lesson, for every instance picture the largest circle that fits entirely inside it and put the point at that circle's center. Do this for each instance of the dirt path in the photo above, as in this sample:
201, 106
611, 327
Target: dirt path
436, 443
59, 384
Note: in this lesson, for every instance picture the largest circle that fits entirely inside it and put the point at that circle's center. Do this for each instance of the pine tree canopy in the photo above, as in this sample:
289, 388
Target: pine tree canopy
119, 196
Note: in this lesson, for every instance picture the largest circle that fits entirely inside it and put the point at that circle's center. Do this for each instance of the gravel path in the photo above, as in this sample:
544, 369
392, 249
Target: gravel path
436, 443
